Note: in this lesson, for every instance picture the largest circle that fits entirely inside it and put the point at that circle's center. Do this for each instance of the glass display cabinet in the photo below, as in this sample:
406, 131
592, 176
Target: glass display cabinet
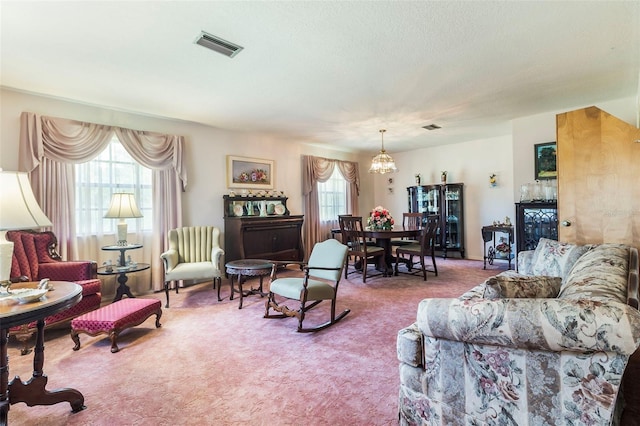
535, 220
445, 200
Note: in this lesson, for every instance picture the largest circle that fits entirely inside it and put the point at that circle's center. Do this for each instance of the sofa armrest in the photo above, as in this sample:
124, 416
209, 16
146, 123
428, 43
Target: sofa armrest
68, 270
544, 324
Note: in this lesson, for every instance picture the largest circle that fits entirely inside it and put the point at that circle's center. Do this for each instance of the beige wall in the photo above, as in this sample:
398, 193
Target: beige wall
471, 162
206, 149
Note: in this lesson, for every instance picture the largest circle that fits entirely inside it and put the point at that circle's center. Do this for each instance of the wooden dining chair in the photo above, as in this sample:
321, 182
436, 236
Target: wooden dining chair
360, 252
425, 247
410, 221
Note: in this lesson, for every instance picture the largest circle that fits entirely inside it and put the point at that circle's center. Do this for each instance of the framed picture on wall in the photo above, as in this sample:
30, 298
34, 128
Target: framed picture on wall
545, 161
249, 173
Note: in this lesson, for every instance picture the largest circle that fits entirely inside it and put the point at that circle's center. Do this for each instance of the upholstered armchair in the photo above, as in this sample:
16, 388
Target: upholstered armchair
194, 254
34, 258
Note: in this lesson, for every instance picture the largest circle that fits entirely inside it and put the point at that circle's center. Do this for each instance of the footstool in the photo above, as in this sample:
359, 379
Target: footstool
112, 319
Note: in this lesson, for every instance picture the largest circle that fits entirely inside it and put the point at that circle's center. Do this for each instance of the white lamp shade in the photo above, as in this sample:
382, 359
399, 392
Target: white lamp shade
18, 210
123, 205
18, 206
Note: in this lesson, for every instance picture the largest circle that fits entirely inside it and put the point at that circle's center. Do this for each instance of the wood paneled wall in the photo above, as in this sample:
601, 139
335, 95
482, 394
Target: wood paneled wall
598, 178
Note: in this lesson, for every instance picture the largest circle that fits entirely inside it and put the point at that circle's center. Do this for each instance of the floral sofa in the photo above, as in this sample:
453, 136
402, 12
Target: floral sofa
35, 258
547, 345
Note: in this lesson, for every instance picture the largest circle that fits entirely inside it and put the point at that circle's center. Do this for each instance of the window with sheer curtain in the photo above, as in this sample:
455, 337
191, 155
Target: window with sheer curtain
332, 197
114, 170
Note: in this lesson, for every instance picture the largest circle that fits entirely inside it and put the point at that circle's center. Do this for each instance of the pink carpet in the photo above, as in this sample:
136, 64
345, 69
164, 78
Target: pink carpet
212, 364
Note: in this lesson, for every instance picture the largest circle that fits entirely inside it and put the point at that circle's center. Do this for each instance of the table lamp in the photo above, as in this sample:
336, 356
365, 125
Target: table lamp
123, 206
18, 210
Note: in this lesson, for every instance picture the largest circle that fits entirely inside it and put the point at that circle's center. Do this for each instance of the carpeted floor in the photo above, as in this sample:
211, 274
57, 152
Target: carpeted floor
213, 364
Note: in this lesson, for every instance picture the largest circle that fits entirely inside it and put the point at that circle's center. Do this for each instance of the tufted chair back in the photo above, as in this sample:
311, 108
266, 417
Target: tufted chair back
194, 243
35, 257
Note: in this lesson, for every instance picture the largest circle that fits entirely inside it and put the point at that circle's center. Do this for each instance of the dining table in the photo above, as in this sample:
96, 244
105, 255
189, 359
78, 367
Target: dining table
383, 239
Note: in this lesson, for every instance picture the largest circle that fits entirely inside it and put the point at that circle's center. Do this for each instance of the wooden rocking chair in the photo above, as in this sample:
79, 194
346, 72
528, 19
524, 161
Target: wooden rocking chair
320, 282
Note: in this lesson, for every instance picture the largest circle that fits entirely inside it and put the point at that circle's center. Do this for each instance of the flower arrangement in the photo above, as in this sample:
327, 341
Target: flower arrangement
257, 175
380, 218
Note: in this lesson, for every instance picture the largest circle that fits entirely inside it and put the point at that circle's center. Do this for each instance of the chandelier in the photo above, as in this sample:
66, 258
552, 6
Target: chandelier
383, 163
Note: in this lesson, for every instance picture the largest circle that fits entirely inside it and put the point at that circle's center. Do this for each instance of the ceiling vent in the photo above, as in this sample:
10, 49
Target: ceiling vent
431, 127
219, 45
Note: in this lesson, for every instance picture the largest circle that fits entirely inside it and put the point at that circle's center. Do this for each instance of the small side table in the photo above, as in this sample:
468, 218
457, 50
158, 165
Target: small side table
122, 269
489, 235
122, 272
247, 268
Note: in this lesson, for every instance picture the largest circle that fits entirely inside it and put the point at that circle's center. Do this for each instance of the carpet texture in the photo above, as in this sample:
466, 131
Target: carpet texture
213, 364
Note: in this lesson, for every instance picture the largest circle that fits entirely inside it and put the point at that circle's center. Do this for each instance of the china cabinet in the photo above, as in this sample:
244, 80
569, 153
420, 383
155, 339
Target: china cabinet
447, 201
535, 220
261, 228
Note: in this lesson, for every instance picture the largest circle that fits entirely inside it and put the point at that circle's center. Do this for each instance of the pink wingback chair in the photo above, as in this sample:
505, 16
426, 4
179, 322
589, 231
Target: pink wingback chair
35, 258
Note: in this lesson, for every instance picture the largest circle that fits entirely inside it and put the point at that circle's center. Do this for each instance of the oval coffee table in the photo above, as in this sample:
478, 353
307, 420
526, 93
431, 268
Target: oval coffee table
247, 268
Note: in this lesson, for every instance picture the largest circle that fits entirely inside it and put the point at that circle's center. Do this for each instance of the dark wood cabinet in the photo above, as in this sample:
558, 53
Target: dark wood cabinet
535, 220
446, 200
259, 231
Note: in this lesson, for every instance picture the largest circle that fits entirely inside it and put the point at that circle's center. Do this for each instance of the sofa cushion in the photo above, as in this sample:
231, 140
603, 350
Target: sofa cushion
21, 257
42, 242
504, 286
555, 259
600, 274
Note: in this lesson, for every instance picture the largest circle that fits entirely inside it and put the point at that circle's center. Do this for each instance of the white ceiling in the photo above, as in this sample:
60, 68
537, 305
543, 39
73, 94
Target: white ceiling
329, 72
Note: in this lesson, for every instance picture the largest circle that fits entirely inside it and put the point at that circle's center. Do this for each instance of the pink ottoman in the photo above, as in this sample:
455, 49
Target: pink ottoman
112, 319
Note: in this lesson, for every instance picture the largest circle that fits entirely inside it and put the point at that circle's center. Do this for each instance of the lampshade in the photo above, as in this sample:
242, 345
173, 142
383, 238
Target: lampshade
18, 210
123, 205
383, 163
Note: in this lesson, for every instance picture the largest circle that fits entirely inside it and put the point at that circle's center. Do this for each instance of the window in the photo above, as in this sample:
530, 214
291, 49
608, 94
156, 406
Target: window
112, 171
332, 197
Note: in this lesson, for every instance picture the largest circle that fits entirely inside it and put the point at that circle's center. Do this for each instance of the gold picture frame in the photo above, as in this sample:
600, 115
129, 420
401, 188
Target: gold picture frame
250, 173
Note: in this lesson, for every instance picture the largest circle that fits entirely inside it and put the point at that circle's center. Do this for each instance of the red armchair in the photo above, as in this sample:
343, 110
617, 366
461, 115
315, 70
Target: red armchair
35, 258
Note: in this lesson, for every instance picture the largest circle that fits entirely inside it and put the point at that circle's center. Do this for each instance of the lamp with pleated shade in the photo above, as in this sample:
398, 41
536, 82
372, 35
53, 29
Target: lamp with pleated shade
18, 210
123, 206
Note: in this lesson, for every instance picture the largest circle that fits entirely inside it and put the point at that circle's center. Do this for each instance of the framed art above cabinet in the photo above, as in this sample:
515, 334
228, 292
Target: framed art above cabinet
250, 173
545, 161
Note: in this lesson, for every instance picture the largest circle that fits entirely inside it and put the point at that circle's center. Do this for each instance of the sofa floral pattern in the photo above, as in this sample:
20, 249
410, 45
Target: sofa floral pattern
522, 361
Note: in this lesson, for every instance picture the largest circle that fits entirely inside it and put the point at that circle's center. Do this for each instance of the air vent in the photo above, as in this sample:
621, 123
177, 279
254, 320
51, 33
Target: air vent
431, 127
219, 45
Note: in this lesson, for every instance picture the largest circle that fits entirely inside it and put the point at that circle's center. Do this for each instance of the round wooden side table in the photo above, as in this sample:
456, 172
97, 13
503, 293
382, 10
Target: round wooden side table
247, 268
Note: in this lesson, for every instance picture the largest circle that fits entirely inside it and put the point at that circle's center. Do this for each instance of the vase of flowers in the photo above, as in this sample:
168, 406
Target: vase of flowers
380, 218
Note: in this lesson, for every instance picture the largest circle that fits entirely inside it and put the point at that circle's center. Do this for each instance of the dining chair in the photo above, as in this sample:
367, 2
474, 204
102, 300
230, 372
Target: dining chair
425, 247
360, 252
320, 282
412, 220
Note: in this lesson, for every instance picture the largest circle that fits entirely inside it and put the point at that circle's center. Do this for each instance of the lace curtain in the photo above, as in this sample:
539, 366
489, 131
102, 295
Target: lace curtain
49, 147
317, 169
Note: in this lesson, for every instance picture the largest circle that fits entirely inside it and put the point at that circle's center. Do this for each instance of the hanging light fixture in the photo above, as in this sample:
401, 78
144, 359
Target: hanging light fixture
383, 163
